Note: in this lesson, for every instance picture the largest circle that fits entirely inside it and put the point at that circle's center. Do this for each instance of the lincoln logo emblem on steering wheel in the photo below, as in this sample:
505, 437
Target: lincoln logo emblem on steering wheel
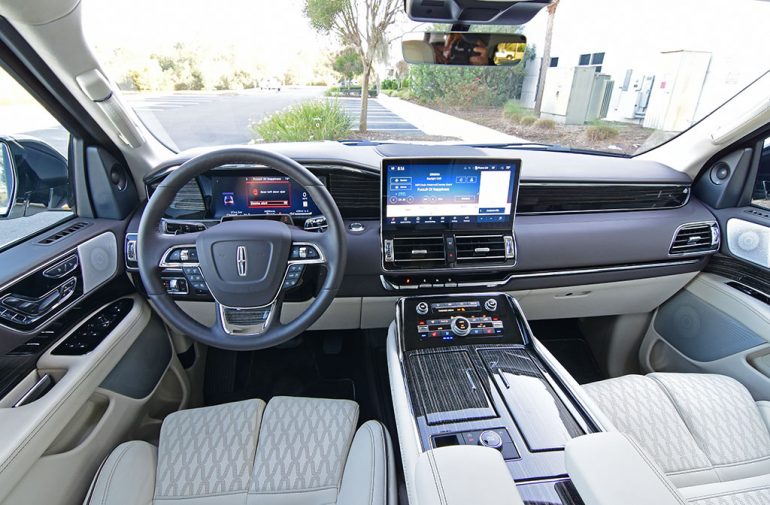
240, 260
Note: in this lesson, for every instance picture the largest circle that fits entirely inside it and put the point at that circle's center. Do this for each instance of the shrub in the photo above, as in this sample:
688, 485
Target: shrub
599, 132
527, 120
336, 91
322, 120
545, 124
514, 111
405, 93
388, 84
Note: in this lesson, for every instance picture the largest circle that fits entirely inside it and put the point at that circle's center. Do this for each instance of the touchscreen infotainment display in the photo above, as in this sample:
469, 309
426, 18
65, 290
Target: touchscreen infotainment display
449, 193
260, 195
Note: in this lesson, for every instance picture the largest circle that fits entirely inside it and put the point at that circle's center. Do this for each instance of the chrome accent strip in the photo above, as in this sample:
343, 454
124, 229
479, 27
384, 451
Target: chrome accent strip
321, 258
164, 222
550, 273
165, 264
35, 392
249, 330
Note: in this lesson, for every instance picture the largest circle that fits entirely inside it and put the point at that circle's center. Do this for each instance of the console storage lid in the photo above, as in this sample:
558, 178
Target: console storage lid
460, 475
609, 468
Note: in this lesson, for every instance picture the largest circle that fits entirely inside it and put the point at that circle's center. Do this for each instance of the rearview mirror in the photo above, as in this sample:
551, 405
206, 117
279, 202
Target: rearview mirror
464, 48
7, 180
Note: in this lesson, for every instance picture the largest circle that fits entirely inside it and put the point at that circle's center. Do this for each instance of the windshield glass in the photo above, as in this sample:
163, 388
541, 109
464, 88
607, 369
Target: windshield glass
617, 77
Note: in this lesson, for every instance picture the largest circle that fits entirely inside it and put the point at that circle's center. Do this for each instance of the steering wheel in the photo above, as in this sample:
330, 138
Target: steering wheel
245, 264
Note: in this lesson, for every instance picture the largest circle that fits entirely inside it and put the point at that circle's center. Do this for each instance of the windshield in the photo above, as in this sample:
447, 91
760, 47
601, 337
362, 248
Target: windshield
617, 77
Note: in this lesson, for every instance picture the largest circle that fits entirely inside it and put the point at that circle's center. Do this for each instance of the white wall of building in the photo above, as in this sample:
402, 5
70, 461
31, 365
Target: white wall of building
636, 35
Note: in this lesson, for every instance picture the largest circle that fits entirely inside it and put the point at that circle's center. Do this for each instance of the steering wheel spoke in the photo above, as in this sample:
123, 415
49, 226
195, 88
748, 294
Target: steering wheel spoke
248, 321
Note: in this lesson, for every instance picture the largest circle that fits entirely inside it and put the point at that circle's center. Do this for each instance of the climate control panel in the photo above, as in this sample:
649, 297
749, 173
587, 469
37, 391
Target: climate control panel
434, 321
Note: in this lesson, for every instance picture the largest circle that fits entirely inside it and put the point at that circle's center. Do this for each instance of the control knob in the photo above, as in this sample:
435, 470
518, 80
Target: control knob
461, 326
491, 439
422, 308
491, 305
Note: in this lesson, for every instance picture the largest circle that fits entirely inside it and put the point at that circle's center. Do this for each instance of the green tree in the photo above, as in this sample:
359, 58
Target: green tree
360, 24
347, 63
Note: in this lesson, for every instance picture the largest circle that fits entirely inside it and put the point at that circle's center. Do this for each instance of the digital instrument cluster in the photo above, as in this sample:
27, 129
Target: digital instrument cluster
260, 195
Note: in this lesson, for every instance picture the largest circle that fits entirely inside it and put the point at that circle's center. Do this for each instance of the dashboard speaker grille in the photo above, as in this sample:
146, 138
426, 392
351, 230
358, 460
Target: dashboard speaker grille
554, 198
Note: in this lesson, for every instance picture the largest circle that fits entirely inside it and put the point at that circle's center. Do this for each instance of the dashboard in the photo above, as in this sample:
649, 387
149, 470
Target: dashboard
436, 218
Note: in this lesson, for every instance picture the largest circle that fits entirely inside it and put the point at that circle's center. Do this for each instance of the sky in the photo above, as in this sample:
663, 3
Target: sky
273, 35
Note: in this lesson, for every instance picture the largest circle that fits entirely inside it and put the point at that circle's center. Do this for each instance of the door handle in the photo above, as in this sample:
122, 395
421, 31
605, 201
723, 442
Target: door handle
36, 307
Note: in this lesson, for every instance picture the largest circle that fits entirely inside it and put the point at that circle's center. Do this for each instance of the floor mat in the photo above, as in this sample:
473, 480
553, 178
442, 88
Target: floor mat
319, 365
568, 345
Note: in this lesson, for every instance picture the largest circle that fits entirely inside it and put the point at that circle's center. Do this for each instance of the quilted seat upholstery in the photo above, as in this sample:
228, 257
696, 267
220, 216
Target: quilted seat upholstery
704, 431
290, 451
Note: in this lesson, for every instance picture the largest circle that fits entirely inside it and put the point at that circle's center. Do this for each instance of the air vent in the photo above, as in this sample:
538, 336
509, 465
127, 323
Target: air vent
695, 238
63, 233
480, 248
356, 195
419, 250
559, 198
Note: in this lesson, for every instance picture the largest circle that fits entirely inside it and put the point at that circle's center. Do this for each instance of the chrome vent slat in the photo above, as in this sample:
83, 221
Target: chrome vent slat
694, 238
419, 249
480, 248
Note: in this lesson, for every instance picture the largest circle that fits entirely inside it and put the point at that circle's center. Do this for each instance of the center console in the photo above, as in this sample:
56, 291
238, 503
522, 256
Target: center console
474, 376
447, 222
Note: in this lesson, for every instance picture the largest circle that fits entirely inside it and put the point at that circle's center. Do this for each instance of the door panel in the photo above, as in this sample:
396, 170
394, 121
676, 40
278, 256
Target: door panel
711, 327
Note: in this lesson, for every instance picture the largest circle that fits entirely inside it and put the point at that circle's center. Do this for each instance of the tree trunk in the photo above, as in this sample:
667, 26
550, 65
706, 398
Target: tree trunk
546, 62
362, 126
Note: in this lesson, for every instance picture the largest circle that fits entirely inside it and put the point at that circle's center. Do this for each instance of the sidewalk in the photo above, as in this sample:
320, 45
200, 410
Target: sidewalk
433, 122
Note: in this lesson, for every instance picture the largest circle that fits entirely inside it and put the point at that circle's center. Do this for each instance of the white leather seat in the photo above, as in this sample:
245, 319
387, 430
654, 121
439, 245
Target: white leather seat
290, 451
705, 432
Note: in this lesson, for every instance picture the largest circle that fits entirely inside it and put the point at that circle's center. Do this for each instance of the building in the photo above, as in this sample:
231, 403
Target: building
668, 64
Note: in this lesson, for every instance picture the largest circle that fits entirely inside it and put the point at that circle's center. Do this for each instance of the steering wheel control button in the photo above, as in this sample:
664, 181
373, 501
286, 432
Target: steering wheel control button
461, 326
304, 252
176, 286
293, 276
422, 308
491, 439
491, 305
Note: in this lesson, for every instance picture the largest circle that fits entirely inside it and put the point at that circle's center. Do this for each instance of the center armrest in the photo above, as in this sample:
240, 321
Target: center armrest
609, 468
460, 475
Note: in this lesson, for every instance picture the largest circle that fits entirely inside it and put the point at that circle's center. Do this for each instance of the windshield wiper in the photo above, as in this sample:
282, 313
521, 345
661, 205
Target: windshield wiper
546, 147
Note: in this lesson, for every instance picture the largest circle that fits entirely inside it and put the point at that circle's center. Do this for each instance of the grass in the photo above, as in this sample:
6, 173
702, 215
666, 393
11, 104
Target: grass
545, 124
527, 120
321, 120
600, 131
